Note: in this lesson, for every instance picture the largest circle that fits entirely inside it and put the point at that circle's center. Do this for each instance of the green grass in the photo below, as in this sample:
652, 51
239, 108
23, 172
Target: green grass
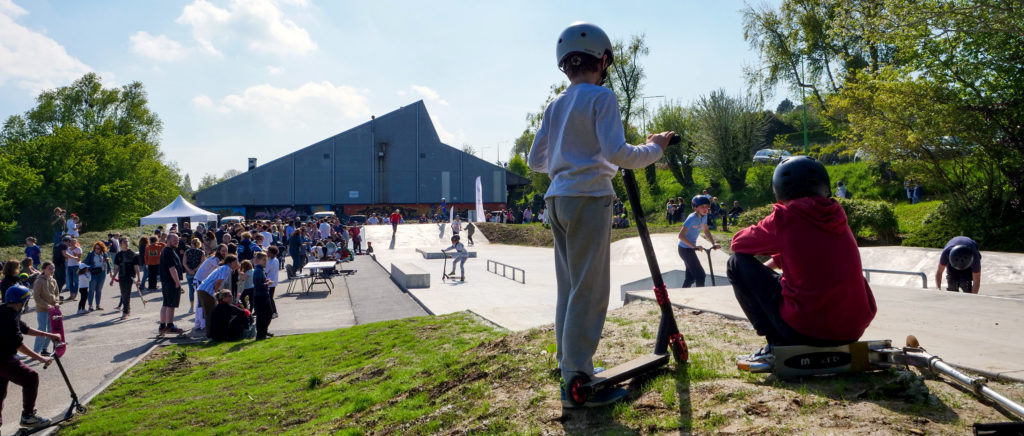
911, 216
317, 383
45, 242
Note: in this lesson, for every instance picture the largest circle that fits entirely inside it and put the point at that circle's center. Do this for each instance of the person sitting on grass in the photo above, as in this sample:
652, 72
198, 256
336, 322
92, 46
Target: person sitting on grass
229, 322
12, 331
821, 298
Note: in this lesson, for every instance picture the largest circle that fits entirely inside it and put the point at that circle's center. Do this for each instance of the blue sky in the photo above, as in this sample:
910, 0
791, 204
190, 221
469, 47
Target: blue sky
233, 79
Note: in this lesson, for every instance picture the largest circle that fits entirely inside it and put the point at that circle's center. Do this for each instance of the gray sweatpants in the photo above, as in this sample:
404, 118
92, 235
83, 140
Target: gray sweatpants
581, 227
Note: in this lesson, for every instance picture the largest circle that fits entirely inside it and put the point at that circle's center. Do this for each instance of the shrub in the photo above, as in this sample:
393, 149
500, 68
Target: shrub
994, 228
866, 218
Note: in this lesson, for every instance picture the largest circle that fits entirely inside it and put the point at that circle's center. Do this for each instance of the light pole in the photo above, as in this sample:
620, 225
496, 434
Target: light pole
643, 101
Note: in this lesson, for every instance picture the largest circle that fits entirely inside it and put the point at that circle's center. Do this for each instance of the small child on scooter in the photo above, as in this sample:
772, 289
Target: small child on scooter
13, 370
695, 223
821, 298
460, 257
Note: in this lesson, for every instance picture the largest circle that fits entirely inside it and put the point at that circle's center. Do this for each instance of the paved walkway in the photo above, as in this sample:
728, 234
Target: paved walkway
101, 347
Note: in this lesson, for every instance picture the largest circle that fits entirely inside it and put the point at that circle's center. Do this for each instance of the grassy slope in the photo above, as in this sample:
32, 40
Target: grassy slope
911, 216
45, 242
454, 375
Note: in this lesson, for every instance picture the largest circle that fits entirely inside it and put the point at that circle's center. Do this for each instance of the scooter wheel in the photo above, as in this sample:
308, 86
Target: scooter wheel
81, 408
576, 394
679, 349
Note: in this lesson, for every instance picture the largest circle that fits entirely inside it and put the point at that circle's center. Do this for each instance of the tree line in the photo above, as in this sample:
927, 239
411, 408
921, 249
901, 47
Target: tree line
88, 149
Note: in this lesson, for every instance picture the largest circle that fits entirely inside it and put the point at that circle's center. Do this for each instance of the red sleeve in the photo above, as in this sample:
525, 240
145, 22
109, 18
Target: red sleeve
759, 238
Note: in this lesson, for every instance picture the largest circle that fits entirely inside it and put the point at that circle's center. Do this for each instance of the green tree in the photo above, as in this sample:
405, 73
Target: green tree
93, 151
728, 130
626, 77
679, 158
784, 106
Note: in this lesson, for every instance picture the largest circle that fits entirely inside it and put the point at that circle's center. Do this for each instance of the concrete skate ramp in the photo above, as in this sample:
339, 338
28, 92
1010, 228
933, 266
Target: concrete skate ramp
413, 236
1002, 274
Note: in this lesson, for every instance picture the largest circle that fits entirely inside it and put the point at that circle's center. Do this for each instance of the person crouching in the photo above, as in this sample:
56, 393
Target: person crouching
229, 322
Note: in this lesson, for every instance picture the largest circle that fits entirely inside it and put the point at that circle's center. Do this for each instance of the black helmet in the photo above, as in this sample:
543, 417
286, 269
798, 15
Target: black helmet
700, 200
961, 257
798, 177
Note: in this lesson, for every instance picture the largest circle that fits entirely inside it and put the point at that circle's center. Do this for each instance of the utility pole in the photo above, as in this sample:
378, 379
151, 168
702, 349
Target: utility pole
803, 100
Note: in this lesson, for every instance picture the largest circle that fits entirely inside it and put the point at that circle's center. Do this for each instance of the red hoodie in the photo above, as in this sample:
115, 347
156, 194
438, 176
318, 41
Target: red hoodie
824, 293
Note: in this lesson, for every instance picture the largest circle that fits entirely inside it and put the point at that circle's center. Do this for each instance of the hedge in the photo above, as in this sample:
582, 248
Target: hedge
867, 219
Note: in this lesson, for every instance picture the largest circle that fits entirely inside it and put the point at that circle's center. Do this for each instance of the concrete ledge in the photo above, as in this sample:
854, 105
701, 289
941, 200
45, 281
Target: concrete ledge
434, 253
408, 276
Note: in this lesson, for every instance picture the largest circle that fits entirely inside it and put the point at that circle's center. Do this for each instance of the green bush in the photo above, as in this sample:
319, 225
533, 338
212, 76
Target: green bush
994, 228
867, 219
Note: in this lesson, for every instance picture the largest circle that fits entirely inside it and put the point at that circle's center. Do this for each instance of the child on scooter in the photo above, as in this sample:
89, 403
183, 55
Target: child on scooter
12, 329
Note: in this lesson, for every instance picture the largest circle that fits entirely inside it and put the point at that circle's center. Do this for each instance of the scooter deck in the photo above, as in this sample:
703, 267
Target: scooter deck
806, 360
626, 371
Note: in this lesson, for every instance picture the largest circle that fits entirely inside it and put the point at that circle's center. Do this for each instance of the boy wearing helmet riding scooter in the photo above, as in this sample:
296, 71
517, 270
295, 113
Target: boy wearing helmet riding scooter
581, 144
695, 223
821, 298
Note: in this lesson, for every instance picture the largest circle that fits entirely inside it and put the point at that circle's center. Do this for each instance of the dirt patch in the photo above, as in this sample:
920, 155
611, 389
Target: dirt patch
511, 387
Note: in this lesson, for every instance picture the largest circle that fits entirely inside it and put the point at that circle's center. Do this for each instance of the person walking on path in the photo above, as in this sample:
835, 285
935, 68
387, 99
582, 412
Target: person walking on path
152, 259
170, 285
470, 230
12, 370
98, 265
580, 144
961, 260
395, 219
45, 293
127, 264
456, 226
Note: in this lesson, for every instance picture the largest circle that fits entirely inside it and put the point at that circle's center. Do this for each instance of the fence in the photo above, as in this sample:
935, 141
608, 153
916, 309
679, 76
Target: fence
924, 277
504, 271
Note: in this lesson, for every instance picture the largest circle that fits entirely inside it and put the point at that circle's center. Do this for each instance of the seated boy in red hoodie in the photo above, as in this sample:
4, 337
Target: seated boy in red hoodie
821, 298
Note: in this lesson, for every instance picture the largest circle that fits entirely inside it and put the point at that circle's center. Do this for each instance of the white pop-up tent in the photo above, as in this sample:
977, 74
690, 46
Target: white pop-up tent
179, 208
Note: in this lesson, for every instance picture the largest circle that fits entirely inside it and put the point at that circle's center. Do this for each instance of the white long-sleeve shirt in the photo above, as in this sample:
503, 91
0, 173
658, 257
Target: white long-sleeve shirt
580, 143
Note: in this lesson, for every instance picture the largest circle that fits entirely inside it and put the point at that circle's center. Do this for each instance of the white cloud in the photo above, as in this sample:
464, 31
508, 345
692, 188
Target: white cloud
274, 71
260, 24
313, 104
428, 94
160, 48
447, 137
32, 60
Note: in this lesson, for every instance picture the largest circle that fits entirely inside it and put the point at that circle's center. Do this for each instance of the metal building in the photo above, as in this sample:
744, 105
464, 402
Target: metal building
393, 161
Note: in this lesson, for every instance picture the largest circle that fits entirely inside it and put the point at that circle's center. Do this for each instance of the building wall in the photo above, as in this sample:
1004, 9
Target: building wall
396, 158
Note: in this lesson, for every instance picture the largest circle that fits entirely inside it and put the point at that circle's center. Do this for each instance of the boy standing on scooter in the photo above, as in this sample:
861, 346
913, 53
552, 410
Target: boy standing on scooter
821, 298
694, 224
12, 329
581, 144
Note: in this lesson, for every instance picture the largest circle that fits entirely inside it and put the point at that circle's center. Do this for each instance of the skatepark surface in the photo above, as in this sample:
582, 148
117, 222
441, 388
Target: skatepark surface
976, 331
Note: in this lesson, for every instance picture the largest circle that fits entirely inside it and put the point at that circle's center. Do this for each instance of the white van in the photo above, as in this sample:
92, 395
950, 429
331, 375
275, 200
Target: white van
322, 215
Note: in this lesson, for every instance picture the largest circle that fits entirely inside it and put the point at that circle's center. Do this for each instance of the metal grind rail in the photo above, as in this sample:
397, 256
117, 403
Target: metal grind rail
924, 277
504, 271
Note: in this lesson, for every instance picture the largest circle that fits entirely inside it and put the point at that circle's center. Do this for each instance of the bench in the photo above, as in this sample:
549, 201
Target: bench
408, 276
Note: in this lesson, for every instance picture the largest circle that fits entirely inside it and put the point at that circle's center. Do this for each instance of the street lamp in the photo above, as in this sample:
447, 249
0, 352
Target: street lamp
643, 101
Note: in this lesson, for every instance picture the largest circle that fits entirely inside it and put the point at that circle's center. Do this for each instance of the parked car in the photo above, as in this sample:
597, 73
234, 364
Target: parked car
322, 215
234, 219
770, 156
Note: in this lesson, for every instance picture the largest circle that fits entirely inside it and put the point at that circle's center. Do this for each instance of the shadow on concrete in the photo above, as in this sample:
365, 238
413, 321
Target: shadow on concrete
312, 295
133, 353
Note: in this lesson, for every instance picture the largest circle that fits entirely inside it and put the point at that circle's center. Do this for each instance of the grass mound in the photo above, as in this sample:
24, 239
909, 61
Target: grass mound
454, 374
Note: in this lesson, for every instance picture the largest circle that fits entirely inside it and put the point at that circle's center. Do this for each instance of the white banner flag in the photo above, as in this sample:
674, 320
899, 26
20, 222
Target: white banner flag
479, 201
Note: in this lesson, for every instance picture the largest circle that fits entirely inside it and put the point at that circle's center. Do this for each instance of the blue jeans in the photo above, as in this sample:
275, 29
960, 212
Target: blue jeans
145, 276
96, 288
191, 288
71, 280
56, 237
43, 319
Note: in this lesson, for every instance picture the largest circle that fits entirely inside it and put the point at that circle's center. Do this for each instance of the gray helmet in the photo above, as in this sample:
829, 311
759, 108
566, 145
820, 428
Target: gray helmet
583, 38
961, 257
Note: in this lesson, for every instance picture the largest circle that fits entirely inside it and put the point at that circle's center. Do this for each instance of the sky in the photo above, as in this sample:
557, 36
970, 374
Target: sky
233, 79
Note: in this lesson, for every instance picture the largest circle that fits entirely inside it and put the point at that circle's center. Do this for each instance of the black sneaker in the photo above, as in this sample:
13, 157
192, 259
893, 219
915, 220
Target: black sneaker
45, 353
33, 420
175, 330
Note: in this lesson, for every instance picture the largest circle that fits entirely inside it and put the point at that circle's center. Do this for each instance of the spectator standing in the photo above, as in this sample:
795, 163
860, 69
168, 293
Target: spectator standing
268, 237
60, 262
32, 251
152, 260
670, 211
72, 226
45, 293
58, 224
395, 219
470, 230
734, 213
357, 246
261, 297
527, 216
193, 260
456, 226
128, 265
10, 275
72, 255
274, 269
96, 261
170, 285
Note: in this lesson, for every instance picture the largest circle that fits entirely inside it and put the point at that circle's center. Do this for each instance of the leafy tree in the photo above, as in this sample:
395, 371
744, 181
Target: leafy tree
679, 158
468, 149
90, 150
625, 77
728, 131
784, 107
951, 104
518, 165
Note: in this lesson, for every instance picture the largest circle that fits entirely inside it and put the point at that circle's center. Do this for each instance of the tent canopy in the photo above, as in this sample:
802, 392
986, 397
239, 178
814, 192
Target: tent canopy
179, 208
